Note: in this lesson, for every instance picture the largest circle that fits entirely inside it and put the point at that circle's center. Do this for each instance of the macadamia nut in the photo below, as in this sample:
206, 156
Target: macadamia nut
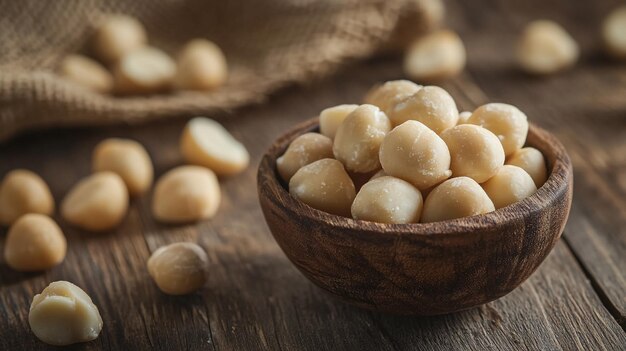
144, 71
185, 194
431, 105
34, 243
118, 35
545, 47
359, 137
324, 185
507, 122
456, 198
614, 33
332, 117
179, 268
63, 314
475, 152
435, 56
206, 143
96, 203
510, 185
87, 73
532, 161
388, 200
303, 150
23, 192
416, 154
387, 95
463, 117
201, 66
128, 159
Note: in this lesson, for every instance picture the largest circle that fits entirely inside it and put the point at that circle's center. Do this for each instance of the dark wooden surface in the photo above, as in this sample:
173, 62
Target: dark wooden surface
256, 299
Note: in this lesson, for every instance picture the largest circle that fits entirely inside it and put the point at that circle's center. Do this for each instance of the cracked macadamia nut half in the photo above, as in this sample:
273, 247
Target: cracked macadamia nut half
387, 95
205, 142
614, 33
435, 56
201, 66
510, 185
144, 71
129, 159
332, 117
63, 314
544, 47
507, 122
532, 161
388, 200
116, 36
186, 194
179, 268
303, 150
34, 243
456, 198
22, 192
324, 185
87, 73
431, 105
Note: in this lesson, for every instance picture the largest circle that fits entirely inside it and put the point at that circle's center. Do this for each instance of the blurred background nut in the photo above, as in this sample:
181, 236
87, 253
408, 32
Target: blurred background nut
129, 159
544, 47
303, 150
456, 198
22, 192
86, 72
144, 71
116, 36
510, 185
387, 95
96, 203
435, 56
179, 268
63, 314
431, 105
201, 66
614, 33
34, 243
332, 117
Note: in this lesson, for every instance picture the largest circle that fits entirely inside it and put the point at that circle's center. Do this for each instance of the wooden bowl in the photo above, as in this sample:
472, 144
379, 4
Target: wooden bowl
421, 268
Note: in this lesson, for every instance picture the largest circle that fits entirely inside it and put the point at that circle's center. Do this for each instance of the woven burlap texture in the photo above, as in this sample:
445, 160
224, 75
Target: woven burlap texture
268, 44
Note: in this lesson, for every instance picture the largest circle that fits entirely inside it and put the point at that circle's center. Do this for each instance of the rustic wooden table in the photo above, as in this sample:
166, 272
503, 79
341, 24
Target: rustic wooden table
256, 299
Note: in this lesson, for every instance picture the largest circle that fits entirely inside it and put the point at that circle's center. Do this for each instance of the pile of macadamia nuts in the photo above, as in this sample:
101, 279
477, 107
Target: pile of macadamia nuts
122, 169
407, 155
120, 43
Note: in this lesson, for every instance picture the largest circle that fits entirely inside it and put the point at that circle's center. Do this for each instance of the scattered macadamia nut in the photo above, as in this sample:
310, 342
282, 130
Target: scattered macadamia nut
87, 73
507, 122
359, 137
431, 105
186, 194
303, 150
34, 243
324, 185
128, 159
332, 117
144, 71
463, 117
96, 203
201, 66
23, 192
179, 268
475, 152
388, 200
416, 154
206, 143
510, 185
456, 198
435, 56
118, 35
387, 95
532, 161
545, 47
614, 33
63, 314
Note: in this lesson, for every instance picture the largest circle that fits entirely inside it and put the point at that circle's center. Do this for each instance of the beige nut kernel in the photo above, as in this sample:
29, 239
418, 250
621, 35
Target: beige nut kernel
435, 56
387, 95
22, 192
614, 33
380, 173
388, 200
431, 105
129, 159
186, 194
416, 154
532, 161
463, 117
96, 203
205, 142
507, 122
358, 139
456, 198
475, 152
510, 185
34, 243
116, 36
63, 314
144, 71
303, 150
332, 117
544, 47
201, 66
324, 185
87, 73
179, 268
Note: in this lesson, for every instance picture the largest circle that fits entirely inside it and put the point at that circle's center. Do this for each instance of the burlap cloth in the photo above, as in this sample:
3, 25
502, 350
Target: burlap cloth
268, 43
